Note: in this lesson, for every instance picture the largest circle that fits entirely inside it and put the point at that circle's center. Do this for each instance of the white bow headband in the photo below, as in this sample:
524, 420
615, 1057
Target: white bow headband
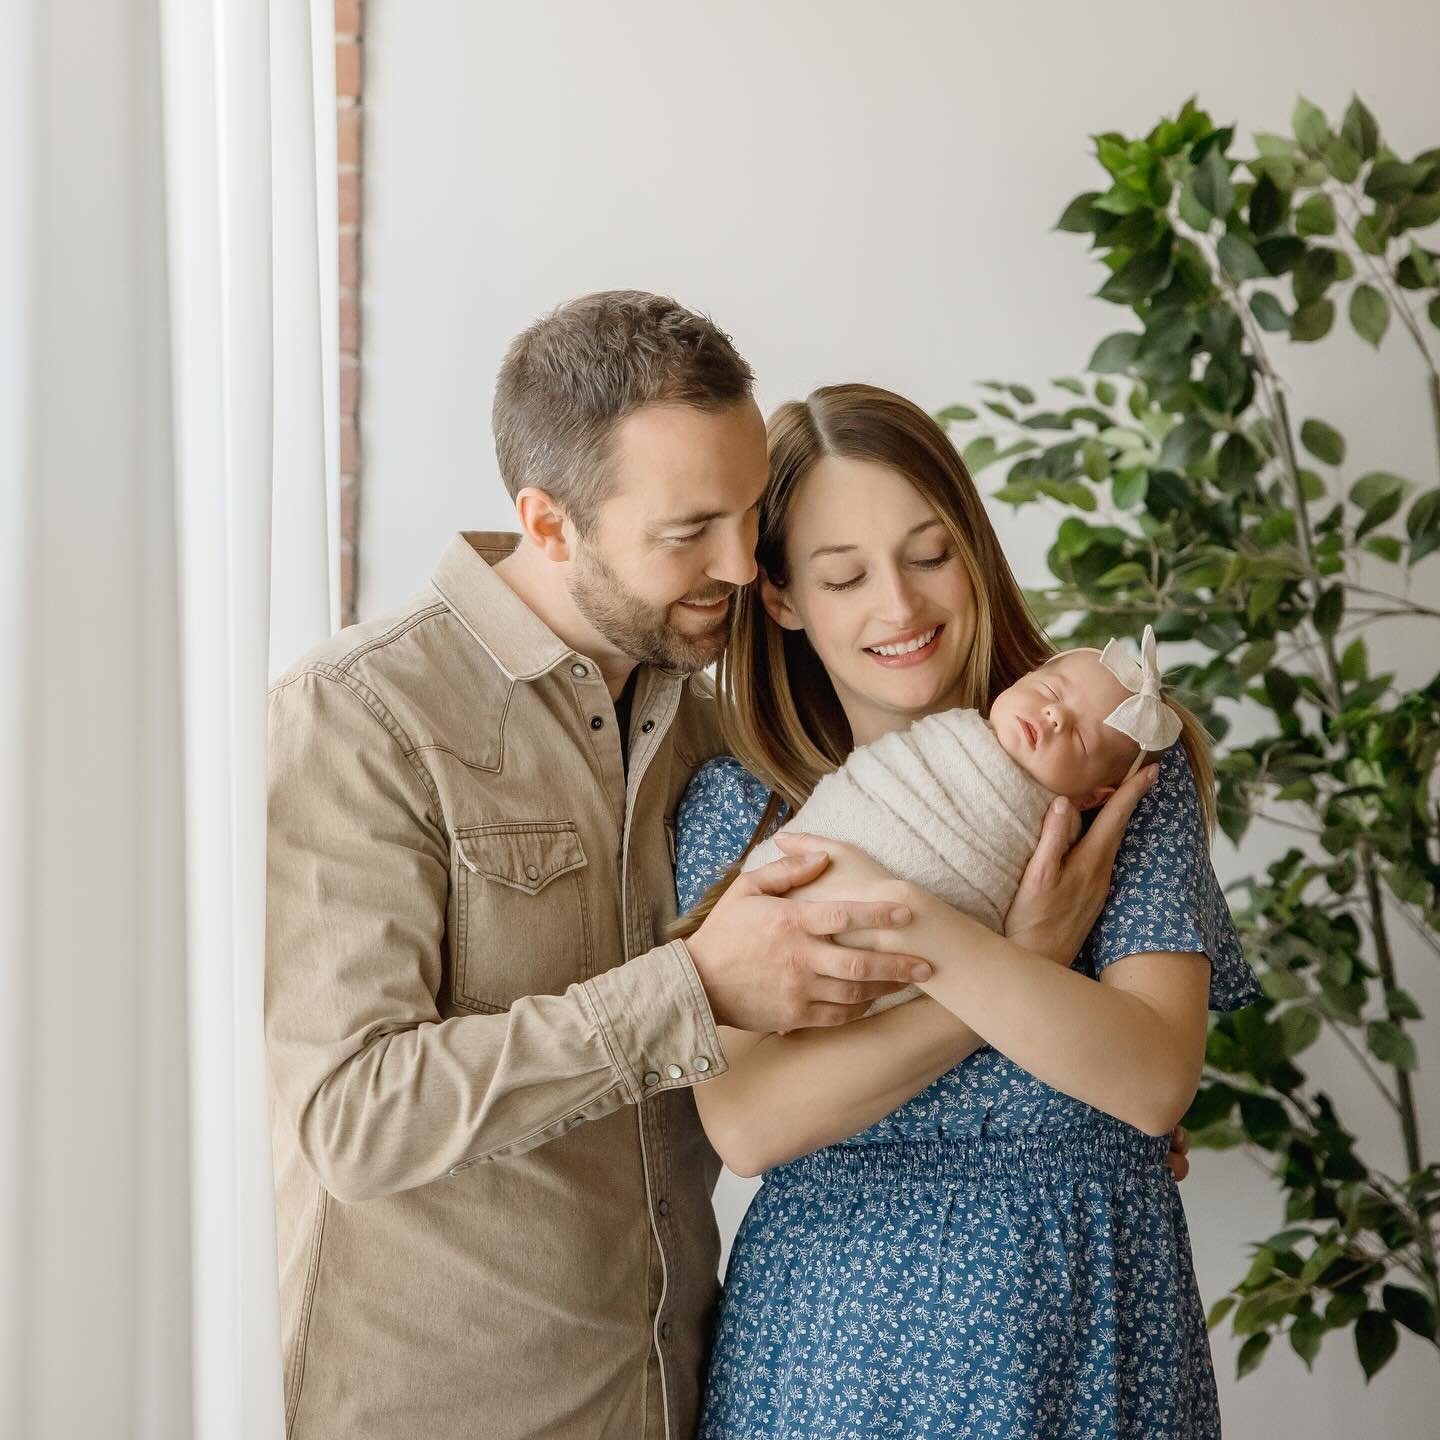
1144, 717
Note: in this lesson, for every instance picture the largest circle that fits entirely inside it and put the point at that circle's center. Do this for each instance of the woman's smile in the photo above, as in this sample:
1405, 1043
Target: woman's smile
913, 647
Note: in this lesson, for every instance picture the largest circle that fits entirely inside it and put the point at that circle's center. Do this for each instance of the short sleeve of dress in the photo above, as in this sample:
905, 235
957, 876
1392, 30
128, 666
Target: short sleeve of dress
717, 816
1164, 895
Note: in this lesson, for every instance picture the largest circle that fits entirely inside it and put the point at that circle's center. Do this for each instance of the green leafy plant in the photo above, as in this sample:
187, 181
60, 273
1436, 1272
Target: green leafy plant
1191, 499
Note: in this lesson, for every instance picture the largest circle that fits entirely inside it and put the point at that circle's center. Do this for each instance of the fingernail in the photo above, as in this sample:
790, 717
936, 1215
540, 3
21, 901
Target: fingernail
1062, 806
1154, 773
921, 972
900, 915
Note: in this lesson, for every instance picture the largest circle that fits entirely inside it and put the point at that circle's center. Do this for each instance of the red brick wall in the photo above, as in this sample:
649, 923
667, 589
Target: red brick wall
350, 119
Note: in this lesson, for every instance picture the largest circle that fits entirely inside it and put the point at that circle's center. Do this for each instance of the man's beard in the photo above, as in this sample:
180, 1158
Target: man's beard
637, 628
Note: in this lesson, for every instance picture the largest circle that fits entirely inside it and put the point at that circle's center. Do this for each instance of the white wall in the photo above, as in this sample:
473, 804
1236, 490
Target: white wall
855, 191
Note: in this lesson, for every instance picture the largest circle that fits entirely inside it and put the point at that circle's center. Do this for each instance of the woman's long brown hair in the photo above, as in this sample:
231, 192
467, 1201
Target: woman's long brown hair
779, 711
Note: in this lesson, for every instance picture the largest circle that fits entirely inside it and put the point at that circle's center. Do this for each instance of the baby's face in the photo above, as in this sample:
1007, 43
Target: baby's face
1052, 724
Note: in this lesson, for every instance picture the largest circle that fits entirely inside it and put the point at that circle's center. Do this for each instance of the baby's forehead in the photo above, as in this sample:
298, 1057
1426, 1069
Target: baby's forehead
1081, 658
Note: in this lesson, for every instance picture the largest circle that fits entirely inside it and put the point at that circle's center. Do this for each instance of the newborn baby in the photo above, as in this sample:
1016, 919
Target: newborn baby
955, 803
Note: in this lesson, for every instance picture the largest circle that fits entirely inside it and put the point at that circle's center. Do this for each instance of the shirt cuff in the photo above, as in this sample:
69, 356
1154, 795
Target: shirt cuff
656, 1020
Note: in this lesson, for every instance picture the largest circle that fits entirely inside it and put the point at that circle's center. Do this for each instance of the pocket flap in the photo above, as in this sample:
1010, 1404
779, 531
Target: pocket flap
525, 854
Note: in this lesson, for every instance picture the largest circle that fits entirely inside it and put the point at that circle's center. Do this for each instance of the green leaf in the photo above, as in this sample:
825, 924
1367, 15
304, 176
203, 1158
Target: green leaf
1372, 234
1379, 494
1269, 313
1387, 547
1316, 216
1219, 1310
1239, 258
1342, 159
1313, 321
1391, 181
1185, 444
1369, 313
1074, 538
1128, 572
1330, 610
1401, 1005
1140, 277
1375, 1341
1268, 204
1116, 353
1281, 689
1212, 184
953, 414
1305, 1336
1080, 216
1422, 524
1129, 487
979, 453
1323, 441
1360, 130
1433, 311
1310, 126
1315, 273
1411, 1308
1388, 1042
1251, 1354
1299, 1029
1354, 663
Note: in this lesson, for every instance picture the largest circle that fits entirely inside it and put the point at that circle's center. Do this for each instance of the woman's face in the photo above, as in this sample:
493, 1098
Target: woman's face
881, 592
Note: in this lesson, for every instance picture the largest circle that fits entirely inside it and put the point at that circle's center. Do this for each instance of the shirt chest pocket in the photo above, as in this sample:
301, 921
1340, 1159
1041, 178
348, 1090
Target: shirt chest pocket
522, 926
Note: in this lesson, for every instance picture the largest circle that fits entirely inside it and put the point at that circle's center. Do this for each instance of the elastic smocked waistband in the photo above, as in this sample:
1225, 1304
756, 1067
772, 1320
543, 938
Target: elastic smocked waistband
1053, 1154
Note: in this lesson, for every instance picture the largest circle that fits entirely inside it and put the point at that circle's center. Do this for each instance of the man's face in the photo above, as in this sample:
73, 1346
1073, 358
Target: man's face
658, 571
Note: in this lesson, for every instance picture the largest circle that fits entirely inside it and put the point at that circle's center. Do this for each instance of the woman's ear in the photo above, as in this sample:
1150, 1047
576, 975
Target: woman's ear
777, 604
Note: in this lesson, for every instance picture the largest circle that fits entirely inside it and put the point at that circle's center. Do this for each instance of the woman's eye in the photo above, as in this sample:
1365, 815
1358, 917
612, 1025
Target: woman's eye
936, 561
841, 584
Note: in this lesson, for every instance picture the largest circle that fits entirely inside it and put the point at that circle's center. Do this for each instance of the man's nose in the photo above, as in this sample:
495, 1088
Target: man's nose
735, 562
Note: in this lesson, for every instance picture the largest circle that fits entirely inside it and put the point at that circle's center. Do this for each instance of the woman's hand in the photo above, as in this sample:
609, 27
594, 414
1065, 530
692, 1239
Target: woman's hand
1063, 889
1179, 1151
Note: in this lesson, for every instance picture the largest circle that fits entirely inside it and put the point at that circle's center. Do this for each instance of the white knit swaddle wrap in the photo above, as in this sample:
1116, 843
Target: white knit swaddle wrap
940, 805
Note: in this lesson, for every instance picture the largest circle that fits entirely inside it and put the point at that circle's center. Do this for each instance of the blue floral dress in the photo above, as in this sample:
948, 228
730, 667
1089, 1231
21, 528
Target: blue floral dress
994, 1258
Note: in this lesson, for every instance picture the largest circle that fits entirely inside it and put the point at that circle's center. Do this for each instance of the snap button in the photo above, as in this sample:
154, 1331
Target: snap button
596, 723
674, 1071
648, 726
663, 1207
532, 871
701, 1063
652, 1077
666, 1330
579, 671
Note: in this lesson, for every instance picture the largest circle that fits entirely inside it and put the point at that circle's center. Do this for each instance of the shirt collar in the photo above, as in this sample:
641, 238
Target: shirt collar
509, 631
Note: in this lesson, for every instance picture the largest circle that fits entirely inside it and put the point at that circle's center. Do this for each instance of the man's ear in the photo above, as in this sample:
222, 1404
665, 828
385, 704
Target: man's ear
777, 604
1093, 799
544, 524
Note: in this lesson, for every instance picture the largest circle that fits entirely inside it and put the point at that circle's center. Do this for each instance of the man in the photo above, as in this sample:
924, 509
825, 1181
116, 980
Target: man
493, 1193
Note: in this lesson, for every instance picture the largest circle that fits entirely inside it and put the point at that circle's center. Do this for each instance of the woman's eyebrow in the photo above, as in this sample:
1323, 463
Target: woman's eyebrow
845, 549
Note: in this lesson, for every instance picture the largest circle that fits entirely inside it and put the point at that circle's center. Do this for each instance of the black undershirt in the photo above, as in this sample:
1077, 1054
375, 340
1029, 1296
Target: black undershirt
623, 703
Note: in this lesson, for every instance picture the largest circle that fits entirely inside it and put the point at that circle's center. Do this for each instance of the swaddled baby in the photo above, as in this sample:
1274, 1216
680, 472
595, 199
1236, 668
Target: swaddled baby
955, 803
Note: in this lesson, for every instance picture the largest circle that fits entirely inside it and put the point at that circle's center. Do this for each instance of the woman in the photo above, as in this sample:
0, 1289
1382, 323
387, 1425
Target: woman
953, 1238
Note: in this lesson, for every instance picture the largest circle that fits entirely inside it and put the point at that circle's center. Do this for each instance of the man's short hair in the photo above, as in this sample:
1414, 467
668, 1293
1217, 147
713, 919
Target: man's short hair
570, 379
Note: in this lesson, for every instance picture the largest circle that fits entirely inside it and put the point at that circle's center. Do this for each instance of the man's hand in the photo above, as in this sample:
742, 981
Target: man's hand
1179, 1149
1063, 890
770, 963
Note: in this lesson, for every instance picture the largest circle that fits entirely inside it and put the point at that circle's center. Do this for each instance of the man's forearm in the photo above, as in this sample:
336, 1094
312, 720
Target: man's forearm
421, 1100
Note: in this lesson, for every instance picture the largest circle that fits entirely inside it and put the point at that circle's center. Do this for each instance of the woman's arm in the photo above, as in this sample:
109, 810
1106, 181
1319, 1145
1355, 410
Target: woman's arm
787, 1095
1132, 1045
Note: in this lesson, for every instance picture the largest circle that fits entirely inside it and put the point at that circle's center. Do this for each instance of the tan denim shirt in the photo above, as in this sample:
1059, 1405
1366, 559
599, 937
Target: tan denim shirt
493, 1191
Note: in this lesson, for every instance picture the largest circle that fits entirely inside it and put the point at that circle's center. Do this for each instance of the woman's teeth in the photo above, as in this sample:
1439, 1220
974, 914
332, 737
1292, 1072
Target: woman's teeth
918, 643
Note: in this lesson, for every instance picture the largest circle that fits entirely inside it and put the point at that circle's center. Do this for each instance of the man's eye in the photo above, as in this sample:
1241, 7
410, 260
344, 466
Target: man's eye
685, 539
841, 584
